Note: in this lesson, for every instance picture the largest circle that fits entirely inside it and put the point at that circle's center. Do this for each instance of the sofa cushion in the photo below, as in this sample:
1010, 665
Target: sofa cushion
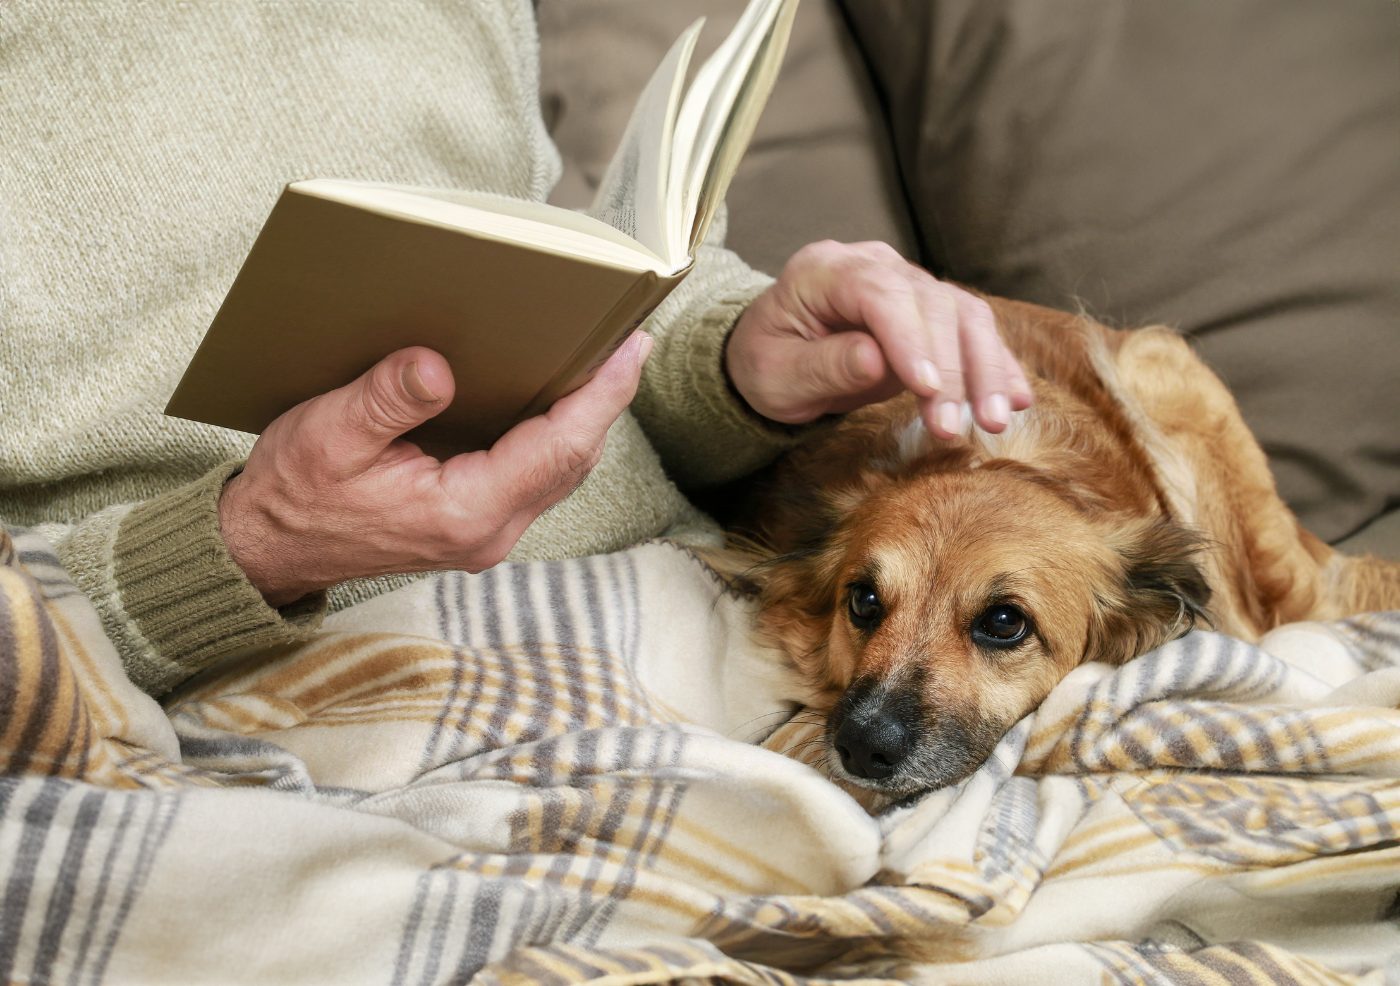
1232, 169
820, 164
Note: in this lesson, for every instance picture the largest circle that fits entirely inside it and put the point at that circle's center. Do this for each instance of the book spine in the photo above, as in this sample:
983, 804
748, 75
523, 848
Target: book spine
636, 303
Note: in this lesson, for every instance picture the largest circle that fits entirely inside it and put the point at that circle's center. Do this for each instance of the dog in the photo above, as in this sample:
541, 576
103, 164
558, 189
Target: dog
933, 592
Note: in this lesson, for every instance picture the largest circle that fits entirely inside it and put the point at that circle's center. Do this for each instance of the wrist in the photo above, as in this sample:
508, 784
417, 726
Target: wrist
251, 536
738, 383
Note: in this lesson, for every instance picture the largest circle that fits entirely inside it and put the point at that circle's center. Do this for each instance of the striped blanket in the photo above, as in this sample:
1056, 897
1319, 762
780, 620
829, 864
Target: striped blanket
586, 772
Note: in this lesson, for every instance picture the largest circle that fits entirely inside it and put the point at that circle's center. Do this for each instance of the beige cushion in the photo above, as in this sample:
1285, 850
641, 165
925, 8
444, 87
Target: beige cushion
819, 165
1231, 168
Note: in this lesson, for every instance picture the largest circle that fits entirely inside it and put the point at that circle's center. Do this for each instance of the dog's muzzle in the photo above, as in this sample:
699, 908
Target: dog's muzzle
874, 730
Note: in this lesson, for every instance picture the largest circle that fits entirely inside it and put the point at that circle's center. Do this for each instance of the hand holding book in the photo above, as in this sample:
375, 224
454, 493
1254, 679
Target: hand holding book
332, 491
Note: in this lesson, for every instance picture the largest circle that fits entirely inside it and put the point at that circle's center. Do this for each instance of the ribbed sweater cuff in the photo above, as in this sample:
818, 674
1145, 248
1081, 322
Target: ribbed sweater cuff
704, 344
704, 430
185, 597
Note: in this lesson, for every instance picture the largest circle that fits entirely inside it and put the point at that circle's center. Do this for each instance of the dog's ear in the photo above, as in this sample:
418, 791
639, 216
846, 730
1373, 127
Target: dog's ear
796, 587
1158, 592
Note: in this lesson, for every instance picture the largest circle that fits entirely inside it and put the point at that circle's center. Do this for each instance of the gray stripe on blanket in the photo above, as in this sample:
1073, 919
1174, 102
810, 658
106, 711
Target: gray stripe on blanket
60, 907
511, 909
161, 811
1373, 639
118, 852
1013, 817
454, 633
599, 638
19, 883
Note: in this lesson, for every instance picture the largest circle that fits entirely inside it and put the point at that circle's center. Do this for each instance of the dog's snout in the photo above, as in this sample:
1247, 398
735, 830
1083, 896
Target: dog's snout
873, 745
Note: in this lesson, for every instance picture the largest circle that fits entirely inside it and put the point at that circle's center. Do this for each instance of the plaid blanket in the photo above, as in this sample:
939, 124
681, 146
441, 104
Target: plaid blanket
586, 771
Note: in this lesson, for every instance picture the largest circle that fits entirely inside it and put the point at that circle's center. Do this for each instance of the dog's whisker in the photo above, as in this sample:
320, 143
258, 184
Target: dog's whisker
800, 748
766, 715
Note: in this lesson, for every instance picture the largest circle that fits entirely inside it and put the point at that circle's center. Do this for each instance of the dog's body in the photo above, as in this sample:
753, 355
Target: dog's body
934, 592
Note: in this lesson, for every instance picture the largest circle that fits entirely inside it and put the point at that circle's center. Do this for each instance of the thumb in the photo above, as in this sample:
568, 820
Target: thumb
826, 372
357, 422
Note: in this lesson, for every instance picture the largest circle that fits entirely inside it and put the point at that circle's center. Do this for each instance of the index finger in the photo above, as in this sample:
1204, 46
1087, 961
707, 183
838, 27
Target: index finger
880, 294
530, 464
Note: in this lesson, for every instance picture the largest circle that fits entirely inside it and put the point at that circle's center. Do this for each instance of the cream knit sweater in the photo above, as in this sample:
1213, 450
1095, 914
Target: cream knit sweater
141, 146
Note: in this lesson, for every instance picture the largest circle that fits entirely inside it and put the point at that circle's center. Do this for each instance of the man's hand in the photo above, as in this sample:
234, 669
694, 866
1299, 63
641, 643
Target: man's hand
332, 492
846, 325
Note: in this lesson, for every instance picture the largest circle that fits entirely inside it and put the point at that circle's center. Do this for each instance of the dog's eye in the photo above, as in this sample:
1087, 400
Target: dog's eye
865, 606
1001, 626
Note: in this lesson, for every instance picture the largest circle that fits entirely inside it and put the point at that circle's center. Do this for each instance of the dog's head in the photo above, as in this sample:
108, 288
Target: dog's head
933, 610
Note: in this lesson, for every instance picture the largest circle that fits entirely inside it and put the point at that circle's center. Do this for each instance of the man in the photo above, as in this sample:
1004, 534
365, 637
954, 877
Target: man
143, 147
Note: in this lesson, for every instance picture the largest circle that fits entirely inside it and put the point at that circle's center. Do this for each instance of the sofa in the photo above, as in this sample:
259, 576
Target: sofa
1231, 170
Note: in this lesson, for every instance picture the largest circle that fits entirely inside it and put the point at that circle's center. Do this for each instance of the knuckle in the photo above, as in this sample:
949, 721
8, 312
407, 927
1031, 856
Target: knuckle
885, 280
296, 458
476, 548
880, 252
564, 462
379, 407
817, 254
761, 364
766, 381
954, 383
923, 275
981, 316
572, 455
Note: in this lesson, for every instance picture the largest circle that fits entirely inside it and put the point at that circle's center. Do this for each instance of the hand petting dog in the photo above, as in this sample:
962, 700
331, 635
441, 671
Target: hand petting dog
850, 324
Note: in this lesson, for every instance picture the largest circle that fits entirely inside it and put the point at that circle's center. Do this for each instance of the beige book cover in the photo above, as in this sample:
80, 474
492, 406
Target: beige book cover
329, 289
524, 300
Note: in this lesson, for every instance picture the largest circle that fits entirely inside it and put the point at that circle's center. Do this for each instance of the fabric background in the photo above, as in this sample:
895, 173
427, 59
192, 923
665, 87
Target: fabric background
1229, 169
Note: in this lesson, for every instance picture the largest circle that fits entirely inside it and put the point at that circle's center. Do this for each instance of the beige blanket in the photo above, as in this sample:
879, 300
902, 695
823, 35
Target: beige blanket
548, 774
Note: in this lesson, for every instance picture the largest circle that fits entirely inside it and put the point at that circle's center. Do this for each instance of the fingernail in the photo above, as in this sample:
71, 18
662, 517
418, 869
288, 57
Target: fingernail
927, 375
413, 383
997, 409
950, 417
644, 347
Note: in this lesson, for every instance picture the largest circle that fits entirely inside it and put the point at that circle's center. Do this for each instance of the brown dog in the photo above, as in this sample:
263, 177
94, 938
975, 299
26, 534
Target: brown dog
934, 592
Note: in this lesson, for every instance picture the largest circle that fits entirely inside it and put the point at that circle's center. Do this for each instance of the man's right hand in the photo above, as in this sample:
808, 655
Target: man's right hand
332, 491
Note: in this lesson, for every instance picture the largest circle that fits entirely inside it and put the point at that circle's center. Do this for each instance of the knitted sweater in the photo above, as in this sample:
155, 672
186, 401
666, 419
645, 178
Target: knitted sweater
143, 146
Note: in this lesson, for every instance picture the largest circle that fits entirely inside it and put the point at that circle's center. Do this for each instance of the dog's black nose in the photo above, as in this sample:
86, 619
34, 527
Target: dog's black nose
872, 745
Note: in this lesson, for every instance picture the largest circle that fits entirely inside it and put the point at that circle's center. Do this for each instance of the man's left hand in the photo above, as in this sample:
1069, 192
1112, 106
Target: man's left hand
846, 325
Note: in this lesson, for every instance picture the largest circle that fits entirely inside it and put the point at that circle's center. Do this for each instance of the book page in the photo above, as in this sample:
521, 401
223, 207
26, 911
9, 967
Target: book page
721, 111
632, 195
536, 224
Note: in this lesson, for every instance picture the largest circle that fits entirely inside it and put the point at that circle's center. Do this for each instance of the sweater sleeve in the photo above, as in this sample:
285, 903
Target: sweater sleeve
698, 424
170, 596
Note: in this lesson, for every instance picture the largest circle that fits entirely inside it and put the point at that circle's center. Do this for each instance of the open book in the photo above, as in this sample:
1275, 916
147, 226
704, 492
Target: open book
524, 299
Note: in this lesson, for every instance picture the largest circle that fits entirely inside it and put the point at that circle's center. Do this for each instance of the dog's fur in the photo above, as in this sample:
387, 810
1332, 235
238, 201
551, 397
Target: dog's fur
1129, 505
